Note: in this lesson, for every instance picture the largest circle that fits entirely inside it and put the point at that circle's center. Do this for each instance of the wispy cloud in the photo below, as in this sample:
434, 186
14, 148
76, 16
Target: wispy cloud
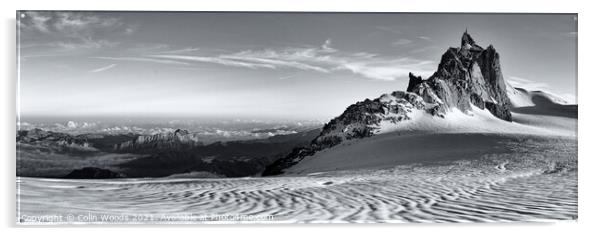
183, 50
392, 69
83, 44
215, 60
287, 77
142, 59
322, 59
66, 31
70, 24
401, 42
425, 38
62, 48
250, 56
104, 68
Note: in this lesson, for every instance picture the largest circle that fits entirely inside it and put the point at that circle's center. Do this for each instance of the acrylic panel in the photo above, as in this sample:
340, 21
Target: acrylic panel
279, 117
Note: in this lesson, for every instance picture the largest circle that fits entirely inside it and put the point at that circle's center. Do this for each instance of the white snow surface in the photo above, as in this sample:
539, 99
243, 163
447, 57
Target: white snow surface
537, 181
520, 97
456, 121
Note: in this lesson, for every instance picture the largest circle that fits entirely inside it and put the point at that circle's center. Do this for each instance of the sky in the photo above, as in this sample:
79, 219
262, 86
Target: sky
265, 65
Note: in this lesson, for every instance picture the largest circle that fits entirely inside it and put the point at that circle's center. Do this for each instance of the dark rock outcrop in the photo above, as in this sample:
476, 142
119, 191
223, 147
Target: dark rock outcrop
60, 141
40, 155
359, 120
230, 159
93, 173
414, 81
467, 77
179, 139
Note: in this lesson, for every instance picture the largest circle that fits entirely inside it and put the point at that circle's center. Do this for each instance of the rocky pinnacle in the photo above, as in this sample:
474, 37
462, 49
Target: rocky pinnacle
468, 76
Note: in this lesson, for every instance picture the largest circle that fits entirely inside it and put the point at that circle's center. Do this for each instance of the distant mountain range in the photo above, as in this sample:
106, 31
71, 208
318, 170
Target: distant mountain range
204, 130
53, 154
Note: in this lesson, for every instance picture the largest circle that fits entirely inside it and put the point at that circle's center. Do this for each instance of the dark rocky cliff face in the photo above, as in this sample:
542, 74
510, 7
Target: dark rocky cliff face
466, 76
179, 139
359, 120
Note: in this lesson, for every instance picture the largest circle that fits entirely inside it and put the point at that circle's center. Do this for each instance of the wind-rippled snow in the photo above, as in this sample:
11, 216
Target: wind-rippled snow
538, 182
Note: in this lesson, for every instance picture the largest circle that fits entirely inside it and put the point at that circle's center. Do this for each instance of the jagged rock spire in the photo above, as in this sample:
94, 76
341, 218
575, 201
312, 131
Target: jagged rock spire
466, 76
467, 39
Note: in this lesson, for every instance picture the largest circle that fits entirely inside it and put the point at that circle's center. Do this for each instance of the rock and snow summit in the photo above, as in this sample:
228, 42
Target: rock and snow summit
467, 93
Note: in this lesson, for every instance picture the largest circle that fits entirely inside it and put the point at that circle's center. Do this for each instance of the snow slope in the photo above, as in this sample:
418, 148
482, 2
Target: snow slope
457, 135
520, 97
456, 121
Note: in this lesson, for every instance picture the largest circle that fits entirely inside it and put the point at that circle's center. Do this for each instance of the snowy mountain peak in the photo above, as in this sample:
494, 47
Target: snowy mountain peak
468, 83
465, 76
